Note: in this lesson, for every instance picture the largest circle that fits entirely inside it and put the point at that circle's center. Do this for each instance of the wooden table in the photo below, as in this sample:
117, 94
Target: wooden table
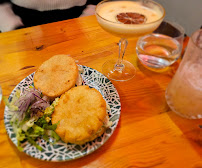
148, 133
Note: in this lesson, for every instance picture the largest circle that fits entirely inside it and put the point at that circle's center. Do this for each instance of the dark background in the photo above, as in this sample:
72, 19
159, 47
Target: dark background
33, 17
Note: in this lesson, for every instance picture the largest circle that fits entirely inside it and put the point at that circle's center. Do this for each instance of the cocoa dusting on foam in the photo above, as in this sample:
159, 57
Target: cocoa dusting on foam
131, 18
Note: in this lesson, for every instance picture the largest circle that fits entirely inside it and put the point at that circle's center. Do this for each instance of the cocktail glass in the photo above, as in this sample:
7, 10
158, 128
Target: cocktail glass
160, 49
184, 92
126, 19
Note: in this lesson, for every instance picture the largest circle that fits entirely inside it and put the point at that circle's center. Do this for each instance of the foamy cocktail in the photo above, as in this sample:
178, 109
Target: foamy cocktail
129, 18
125, 19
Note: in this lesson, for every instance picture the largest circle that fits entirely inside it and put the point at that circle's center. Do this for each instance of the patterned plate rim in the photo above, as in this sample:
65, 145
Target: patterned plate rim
88, 75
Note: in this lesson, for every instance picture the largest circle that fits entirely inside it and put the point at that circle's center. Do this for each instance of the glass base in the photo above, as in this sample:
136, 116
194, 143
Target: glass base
124, 72
188, 116
156, 69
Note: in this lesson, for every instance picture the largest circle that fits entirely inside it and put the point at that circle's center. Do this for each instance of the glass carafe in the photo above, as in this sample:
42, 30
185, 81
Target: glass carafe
184, 92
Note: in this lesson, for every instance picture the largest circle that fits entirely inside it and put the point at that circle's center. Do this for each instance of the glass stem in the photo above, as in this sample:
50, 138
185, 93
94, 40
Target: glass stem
123, 43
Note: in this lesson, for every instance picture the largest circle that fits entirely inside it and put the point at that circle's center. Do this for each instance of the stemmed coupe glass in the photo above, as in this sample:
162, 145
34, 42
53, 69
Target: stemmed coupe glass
125, 19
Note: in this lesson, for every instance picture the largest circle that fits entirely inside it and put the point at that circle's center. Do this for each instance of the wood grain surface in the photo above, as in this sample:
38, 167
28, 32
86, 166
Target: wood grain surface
148, 135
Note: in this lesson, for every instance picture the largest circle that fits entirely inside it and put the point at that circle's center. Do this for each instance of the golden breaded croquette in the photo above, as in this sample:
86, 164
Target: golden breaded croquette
56, 75
81, 112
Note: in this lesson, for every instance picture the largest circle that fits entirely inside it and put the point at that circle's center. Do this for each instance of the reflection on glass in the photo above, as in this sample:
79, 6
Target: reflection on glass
0, 94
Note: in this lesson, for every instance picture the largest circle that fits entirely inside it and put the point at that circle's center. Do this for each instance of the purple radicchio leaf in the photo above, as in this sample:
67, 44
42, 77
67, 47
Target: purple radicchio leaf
25, 100
37, 107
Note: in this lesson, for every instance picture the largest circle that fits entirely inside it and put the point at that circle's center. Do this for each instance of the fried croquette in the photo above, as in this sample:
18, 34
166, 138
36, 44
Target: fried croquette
81, 113
56, 75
